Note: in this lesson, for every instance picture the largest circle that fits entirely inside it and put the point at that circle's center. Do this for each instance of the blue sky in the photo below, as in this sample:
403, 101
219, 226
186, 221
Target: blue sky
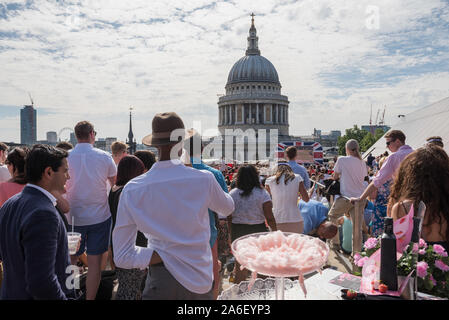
93, 59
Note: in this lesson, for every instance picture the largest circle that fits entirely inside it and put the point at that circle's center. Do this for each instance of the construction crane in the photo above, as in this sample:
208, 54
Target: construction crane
377, 116
382, 120
32, 102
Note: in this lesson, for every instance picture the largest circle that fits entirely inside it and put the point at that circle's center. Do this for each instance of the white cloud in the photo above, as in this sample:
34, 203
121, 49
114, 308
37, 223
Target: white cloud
95, 60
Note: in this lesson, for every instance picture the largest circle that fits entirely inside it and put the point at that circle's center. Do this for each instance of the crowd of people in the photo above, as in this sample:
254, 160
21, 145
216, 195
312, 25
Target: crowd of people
165, 225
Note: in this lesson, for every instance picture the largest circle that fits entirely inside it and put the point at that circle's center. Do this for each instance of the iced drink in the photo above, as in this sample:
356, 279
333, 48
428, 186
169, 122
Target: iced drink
73, 239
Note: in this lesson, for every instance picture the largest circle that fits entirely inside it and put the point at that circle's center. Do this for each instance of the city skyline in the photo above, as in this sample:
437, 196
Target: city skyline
94, 60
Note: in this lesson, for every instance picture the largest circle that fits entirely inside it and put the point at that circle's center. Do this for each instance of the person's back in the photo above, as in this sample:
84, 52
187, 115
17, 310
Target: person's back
352, 172
89, 169
313, 213
285, 198
291, 154
249, 209
423, 177
8, 189
176, 199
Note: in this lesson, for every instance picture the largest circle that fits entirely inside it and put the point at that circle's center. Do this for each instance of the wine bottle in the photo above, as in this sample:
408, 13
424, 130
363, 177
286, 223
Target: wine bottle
388, 262
415, 242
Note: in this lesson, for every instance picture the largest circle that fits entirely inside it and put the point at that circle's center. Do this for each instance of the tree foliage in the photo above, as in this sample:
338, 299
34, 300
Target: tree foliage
363, 137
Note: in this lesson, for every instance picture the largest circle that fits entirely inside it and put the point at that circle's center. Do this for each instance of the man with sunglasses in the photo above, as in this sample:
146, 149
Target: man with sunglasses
395, 141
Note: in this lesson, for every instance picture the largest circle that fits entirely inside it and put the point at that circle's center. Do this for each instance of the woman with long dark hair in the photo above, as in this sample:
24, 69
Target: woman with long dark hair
285, 187
424, 176
129, 280
15, 161
253, 207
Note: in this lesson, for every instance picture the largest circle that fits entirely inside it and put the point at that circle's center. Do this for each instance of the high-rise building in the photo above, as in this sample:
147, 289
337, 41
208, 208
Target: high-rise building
28, 127
109, 142
52, 137
73, 140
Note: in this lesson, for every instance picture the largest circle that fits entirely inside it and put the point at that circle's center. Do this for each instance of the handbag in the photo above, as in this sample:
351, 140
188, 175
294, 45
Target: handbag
332, 188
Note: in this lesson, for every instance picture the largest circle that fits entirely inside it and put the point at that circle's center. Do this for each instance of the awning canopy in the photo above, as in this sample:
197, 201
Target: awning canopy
417, 126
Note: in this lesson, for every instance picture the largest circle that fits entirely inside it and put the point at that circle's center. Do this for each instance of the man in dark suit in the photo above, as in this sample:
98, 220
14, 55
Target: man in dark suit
33, 238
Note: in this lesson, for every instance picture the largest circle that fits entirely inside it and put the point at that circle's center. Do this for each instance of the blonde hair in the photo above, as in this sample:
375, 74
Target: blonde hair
285, 170
353, 145
118, 147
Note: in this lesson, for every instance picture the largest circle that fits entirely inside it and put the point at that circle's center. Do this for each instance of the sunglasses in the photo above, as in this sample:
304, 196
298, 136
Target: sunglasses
388, 142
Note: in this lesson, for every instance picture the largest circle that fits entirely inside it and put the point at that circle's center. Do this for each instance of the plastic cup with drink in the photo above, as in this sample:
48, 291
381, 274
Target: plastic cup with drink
73, 239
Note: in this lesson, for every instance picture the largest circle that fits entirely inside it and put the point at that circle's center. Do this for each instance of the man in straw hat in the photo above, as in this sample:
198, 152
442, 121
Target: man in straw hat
169, 204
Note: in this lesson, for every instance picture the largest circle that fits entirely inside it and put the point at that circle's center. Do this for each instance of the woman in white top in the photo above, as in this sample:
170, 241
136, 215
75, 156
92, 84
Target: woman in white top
253, 207
284, 187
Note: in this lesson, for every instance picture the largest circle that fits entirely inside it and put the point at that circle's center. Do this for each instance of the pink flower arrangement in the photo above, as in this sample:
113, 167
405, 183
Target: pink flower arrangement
361, 262
371, 243
421, 269
432, 267
422, 243
441, 265
439, 250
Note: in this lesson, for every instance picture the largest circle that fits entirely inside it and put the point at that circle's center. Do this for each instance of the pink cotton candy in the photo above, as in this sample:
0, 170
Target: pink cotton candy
279, 255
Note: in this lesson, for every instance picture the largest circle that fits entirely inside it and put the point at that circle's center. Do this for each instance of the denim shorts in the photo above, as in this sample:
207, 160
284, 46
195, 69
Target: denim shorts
94, 238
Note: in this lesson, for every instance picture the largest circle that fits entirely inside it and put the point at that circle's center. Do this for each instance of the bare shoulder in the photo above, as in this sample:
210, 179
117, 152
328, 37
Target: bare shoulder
398, 211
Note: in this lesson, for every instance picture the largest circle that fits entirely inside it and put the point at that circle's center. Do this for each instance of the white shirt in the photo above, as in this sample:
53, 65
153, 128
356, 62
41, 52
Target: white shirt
4, 174
169, 205
352, 172
89, 170
47, 193
249, 210
285, 199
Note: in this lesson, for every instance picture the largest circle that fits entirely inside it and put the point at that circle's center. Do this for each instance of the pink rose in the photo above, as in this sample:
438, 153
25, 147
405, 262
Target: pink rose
421, 269
422, 251
361, 261
439, 250
357, 257
441, 265
422, 243
370, 243
415, 248
433, 280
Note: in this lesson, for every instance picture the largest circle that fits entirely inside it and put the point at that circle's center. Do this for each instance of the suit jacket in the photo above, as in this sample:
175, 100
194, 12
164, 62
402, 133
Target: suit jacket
33, 248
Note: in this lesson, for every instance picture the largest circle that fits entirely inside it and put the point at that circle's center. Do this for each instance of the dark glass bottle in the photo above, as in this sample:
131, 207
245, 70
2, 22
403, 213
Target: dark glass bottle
388, 262
415, 241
